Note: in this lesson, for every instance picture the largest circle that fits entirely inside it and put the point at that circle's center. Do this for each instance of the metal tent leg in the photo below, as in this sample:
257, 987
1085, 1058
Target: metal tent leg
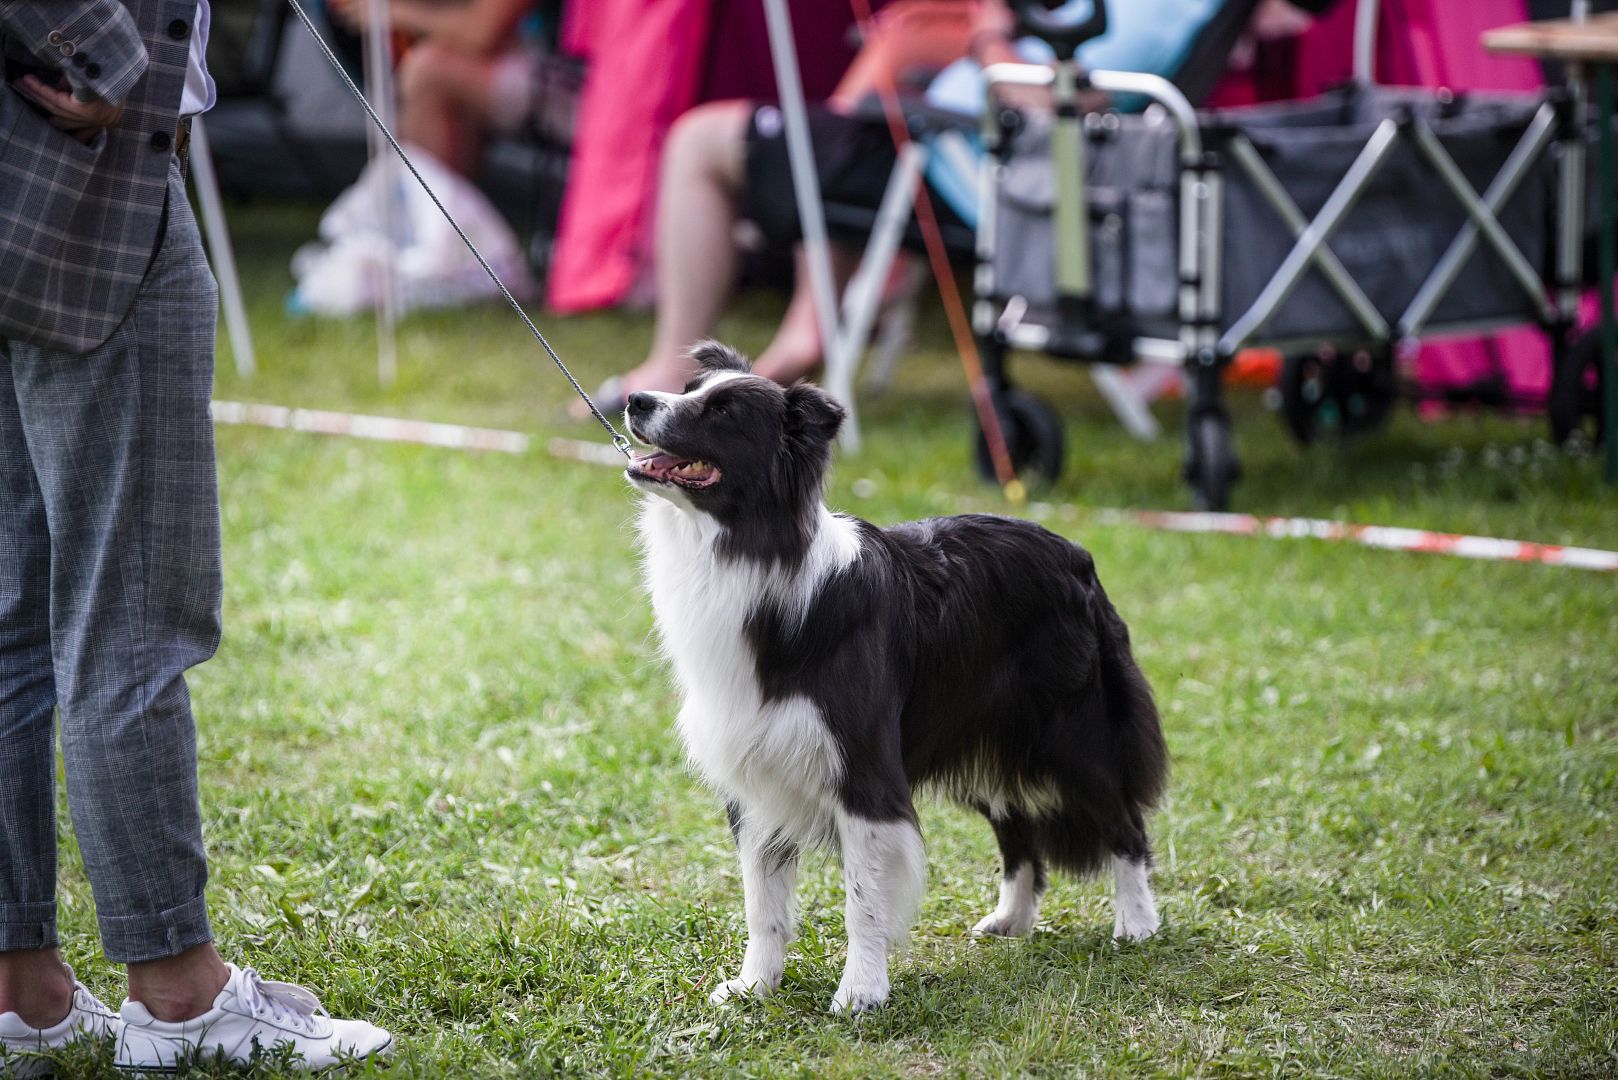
212, 210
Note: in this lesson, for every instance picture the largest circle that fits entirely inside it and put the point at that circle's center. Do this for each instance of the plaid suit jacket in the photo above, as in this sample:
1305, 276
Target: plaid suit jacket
78, 223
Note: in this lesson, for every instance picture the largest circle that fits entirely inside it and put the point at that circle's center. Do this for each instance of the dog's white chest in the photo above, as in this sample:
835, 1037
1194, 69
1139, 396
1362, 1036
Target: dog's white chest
776, 758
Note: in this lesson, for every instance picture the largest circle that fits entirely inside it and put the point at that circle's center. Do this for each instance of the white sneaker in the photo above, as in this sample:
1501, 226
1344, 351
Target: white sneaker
87, 1018
249, 1013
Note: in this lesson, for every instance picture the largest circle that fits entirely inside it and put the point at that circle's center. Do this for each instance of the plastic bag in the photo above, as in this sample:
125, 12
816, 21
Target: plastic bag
343, 272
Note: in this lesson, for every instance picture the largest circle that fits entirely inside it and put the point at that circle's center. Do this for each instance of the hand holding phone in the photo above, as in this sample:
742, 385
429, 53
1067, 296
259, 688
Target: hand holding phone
82, 119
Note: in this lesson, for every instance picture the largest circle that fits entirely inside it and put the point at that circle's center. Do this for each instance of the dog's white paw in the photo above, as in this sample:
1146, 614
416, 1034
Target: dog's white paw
731, 989
853, 998
1136, 912
1135, 925
1000, 924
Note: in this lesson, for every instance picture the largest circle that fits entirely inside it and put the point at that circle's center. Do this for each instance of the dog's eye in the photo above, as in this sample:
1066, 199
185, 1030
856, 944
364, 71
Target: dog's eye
720, 407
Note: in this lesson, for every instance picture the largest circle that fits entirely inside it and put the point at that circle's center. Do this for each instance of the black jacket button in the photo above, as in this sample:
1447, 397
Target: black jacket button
93, 70
178, 29
161, 140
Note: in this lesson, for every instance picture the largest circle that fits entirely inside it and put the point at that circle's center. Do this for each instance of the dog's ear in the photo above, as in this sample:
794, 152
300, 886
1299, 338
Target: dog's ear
712, 356
812, 411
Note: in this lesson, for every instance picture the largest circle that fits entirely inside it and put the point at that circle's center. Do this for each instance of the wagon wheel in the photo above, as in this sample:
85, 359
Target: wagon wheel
1211, 467
1575, 401
1326, 392
1034, 440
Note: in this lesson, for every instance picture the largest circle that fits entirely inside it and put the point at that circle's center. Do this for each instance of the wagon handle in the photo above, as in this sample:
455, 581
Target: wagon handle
1365, 17
1060, 23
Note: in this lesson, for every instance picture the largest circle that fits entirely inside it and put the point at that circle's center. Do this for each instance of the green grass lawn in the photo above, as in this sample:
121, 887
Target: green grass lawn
441, 785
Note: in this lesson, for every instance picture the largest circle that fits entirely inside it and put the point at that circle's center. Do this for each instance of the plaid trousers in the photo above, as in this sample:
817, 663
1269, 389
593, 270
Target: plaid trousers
109, 591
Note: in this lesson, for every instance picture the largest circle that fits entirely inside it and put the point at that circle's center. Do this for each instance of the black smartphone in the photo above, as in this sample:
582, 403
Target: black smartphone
16, 68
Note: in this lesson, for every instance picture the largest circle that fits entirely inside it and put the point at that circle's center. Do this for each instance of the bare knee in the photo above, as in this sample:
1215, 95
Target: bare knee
433, 73
418, 74
709, 142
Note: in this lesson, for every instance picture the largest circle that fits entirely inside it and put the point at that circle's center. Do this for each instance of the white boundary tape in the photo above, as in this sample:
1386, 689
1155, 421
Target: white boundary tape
381, 428
1392, 538
1377, 536
591, 453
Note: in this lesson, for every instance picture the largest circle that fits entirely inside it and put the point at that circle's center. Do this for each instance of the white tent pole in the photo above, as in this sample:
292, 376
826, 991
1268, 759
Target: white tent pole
863, 296
379, 84
214, 228
806, 185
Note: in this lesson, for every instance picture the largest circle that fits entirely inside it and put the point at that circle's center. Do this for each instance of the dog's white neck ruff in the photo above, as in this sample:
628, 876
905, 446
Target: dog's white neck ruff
776, 760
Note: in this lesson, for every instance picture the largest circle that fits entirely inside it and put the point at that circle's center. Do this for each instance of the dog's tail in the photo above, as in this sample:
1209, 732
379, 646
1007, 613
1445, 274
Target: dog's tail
1141, 757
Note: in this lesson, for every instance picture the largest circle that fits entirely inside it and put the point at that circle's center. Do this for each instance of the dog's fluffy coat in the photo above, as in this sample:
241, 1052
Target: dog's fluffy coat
830, 668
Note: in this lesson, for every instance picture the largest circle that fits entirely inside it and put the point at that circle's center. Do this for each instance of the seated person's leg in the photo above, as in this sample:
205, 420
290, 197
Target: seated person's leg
794, 352
911, 36
728, 160
698, 193
446, 100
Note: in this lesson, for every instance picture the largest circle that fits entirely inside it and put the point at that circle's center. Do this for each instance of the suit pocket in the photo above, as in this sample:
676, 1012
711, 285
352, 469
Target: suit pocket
44, 177
25, 132
11, 104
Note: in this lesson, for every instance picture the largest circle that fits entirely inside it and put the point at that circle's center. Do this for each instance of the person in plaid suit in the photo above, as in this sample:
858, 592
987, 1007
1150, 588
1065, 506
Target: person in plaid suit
109, 540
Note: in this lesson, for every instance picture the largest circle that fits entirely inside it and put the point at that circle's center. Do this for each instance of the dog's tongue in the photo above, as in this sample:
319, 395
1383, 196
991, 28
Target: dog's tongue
656, 463
666, 466
654, 460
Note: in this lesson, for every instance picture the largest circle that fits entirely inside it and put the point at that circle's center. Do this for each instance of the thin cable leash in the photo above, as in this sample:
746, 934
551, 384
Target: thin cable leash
619, 441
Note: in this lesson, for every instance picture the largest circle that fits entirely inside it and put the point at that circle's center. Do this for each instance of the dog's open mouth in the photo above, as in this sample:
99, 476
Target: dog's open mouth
666, 468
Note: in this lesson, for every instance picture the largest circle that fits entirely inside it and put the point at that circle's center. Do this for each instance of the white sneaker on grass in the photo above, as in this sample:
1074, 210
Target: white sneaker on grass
87, 1018
249, 1013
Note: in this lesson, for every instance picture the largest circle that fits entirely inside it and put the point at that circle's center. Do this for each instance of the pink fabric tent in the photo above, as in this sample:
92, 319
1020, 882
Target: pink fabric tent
649, 61
1420, 43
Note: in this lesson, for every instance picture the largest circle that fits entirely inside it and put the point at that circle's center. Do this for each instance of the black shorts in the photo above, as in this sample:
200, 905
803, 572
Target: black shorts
854, 160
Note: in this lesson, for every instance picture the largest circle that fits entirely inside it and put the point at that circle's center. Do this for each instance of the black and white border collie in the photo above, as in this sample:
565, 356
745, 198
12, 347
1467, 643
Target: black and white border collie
831, 668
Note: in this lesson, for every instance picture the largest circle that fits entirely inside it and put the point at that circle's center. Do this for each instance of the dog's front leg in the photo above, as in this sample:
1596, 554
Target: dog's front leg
769, 876
884, 870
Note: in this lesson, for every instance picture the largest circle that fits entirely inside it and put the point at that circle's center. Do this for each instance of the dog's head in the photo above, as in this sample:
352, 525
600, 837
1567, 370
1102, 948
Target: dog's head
733, 444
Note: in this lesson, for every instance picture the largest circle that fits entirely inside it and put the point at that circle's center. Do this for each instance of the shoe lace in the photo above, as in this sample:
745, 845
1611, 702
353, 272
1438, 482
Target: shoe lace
85, 1001
285, 1003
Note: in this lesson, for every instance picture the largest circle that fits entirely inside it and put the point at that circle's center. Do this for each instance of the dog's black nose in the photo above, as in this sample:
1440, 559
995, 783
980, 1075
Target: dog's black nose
641, 403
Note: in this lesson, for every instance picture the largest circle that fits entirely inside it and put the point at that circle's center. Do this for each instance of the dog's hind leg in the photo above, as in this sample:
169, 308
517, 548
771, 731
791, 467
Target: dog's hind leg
769, 876
1137, 913
884, 871
1132, 863
1023, 878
